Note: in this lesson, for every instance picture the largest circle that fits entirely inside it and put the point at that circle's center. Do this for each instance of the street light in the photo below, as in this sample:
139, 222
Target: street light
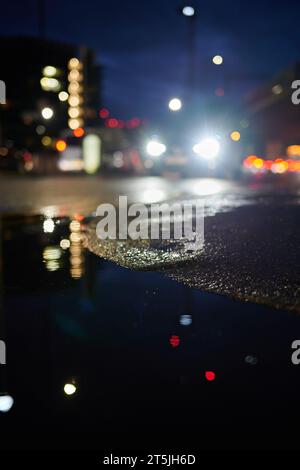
175, 104
47, 113
207, 148
217, 60
188, 11
155, 148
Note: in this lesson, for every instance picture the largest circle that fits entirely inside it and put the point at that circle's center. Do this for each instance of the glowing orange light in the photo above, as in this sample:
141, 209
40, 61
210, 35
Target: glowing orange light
174, 341
210, 376
61, 145
293, 151
78, 217
79, 132
248, 162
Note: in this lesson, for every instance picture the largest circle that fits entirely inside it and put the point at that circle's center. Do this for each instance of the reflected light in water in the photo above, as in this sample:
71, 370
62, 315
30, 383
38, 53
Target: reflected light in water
210, 376
174, 341
69, 389
185, 320
75, 226
51, 256
48, 226
51, 253
205, 187
65, 244
76, 258
153, 195
6, 402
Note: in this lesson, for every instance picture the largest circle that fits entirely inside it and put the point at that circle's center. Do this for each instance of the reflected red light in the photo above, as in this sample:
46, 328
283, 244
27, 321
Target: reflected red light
103, 113
174, 341
210, 376
121, 124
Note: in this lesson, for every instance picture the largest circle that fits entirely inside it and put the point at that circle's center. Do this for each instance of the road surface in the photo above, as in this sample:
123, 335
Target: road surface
252, 231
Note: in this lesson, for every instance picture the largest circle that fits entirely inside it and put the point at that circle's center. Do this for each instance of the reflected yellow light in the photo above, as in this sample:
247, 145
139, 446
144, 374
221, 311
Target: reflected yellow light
51, 253
65, 244
76, 261
75, 250
75, 237
52, 265
75, 226
49, 71
69, 389
235, 136
76, 272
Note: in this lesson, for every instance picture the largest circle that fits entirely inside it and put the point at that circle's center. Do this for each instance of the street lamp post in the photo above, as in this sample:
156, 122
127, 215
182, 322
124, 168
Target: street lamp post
190, 14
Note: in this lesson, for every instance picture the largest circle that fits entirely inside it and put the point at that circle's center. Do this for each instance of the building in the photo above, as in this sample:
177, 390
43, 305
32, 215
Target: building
274, 121
50, 86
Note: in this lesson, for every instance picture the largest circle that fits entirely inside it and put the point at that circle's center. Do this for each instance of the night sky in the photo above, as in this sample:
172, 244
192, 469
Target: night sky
143, 44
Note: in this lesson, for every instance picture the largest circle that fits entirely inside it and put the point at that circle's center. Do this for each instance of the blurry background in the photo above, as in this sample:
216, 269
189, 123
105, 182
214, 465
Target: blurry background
202, 88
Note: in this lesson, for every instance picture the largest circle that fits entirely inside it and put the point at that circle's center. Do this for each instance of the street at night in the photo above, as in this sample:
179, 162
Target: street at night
149, 231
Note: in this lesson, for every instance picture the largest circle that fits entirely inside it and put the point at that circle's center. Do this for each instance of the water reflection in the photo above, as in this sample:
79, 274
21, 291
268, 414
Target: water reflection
145, 349
6, 402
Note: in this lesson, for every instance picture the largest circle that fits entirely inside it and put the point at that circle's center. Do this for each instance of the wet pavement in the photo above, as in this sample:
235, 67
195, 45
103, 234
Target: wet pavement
147, 357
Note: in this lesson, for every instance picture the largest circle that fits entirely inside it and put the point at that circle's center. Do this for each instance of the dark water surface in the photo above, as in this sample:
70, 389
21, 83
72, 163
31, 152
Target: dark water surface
137, 346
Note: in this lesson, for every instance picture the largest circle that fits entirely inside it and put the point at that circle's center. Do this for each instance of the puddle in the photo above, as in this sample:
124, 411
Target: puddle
134, 347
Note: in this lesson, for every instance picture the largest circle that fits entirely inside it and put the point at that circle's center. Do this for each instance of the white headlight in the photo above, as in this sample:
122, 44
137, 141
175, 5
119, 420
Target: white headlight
207, 148
155, 149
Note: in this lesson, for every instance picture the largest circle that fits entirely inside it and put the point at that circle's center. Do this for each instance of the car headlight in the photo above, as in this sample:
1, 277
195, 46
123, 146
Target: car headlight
207, 148
155, 148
